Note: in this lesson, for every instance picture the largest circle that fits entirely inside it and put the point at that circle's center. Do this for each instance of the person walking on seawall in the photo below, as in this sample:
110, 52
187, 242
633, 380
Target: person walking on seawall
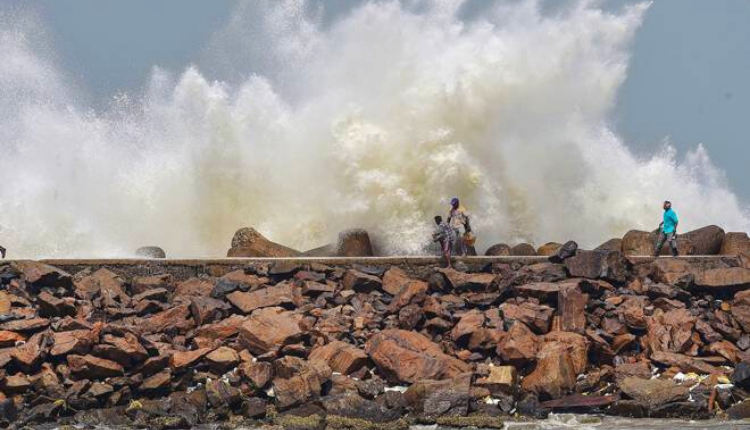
446, 236
458, 218
668, 230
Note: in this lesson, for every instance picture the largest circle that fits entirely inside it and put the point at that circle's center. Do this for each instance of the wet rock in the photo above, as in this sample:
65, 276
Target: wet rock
671, 331
342, 357
284, 294
735, 244
150, 252
248, 243
607, 265
498, 250
90, 367
579, 402
739, 411
354, 243
29, 356
653, 392
354, 406
554, 374
405, 356
254, 408
269, 329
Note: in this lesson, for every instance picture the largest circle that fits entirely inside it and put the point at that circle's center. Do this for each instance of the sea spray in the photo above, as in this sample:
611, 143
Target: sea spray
373, 120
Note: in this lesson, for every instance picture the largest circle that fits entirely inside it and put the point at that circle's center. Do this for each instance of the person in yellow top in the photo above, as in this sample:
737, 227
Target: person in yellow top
458, 219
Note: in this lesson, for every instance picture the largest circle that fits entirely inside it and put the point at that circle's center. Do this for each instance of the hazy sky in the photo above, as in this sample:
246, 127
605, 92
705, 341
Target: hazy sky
689, 79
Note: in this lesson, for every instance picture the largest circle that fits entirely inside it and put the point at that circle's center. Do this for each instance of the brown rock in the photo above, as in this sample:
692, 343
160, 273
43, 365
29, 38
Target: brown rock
741, 309
223, 329
501, 380
72, 342
705, 241
671, 270
607, 265
724, 279
499, 250
38, 275
9, 338
653, 392
207, 310
157, 382
523, 250
643, 243
727, 350
572, 303
545, 291
90, 367
269, 329
538, 317
247, 279
28, 356
301, 387
143, 284
449, 397
670, 331
126, 350
554, 374
640, 369
16, 384
411, 291
406, 356
548, 249
578, 348
614, 244
312, 288
354, 243
684, 363
194, 287
51, 306
342, 357
519, 346
361, 282
469, 323
174, 320
25, 326
155, 294
735, 244
223, 359
248, 243
100, 282
394, 280
258, 373
284, 294
181, 360
461, 281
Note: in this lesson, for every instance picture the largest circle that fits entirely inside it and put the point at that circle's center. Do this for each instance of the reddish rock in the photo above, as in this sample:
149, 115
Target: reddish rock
173, 320
51, 306
572, 303
469, 323
741, 309
259, 373
519, 346
28, 356
523, 250
99, 282
73, 342
126, 350
735, 244
26, 325
670, 331
394, 280
15, 384
449, 397
301, 387
223, 329
554, 374
643, 243
194, 287
727, 350
684, 363
614, 244
223, 359
538, 317
653, 392
90, 367
157, 382
342, 357
671, 270
461, 281
9, 338
207, 310
248, 280
312, 288
248, 243
545, 291
724, 279
38, 275
411, 291
181, 360
607, 265
143, 284
704, 241
361, 282
269, 329
283, 294
498, 250
406, 356
354, 243
501, 380
548, 249
578, 348
156, 294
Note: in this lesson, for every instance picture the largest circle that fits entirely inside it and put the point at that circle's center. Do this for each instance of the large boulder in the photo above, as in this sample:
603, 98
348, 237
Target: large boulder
614, 244
523, 250
548, 249
705, 240
724, 279
247, 242
735, 244
342, 357
150, 252
554, 374
406, 356
498, 250
643, 243
607, 265
354, 243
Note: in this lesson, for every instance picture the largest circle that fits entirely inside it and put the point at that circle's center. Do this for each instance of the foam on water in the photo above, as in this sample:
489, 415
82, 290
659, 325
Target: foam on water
374, 121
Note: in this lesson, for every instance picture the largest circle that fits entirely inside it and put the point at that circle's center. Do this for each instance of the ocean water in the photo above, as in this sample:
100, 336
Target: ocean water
374, 120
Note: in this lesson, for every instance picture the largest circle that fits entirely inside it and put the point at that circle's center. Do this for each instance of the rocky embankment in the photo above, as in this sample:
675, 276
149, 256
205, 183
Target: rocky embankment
304, 344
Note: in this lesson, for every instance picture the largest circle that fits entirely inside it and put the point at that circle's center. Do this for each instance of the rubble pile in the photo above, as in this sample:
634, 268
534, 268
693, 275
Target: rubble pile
600, 332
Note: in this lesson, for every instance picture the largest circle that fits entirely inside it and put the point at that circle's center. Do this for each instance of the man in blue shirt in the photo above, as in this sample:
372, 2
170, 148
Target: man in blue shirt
668, 230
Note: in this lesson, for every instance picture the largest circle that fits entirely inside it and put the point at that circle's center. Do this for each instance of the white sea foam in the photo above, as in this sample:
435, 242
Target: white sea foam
374, 121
